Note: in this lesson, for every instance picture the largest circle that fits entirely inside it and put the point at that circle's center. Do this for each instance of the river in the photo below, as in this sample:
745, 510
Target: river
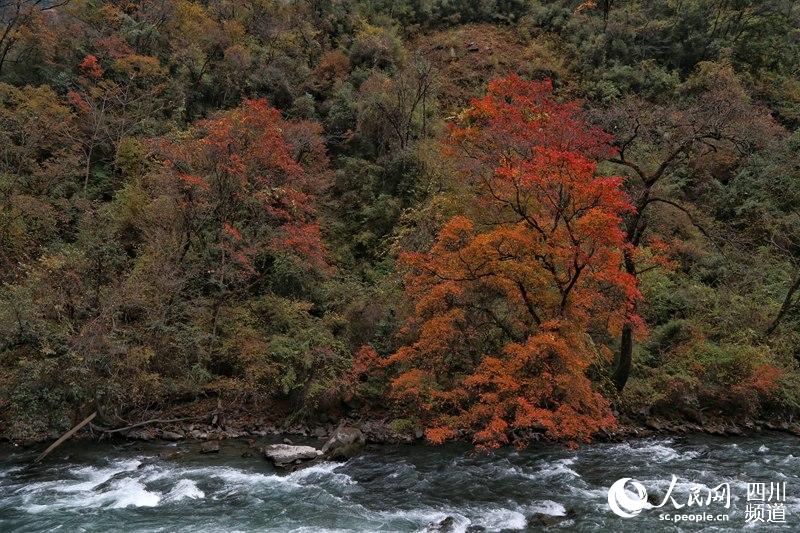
171, 487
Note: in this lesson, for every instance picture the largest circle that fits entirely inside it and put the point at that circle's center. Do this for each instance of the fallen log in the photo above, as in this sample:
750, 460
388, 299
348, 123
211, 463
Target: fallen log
147, 423
65, 436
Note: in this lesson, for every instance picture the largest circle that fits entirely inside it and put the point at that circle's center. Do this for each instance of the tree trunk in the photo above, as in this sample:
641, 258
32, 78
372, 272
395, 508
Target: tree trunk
622, 368
788, 303
624, 358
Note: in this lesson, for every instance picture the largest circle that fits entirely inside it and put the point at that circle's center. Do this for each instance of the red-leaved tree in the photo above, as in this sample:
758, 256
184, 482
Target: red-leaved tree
498, 343
245, 183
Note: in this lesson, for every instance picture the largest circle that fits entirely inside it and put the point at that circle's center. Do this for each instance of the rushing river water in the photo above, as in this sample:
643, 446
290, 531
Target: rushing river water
144, 487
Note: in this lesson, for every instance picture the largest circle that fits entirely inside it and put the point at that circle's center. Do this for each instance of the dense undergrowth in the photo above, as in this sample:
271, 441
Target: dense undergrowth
299, 204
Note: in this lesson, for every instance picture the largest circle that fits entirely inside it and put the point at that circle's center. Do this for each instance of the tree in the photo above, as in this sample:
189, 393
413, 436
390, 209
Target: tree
392, 112
234, 201
15, 15
245, 184
117, 103
654, 142
763, 203
39, 161
504, 301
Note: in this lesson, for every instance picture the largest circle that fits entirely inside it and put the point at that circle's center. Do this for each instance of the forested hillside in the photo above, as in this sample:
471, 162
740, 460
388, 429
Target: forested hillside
500, 219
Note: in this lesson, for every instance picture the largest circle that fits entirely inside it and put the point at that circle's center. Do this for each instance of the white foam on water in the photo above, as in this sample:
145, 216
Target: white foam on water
120, 484
235, 476
96, 476
324, 470
763, 449
489, 519
314, 529
34, 508
124, 484
88, 477
500, 519
236, 481
549, 507
656, 451
559, 467
184, 488
513, 471
598, 495
427, 518
227, 474
126, 492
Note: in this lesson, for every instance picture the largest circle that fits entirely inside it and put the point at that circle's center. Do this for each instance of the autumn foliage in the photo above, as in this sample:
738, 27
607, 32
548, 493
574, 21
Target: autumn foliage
505, 299
209, 203
252, 177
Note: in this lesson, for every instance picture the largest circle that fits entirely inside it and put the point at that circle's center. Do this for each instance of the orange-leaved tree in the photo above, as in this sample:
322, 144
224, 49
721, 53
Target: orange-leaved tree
507, 301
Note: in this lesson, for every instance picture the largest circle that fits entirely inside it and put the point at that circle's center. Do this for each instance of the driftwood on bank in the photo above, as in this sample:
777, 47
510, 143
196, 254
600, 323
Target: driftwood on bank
65, 436
147, 423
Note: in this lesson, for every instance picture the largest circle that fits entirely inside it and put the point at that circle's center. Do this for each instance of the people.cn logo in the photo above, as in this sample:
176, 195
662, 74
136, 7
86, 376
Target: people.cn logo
623, 501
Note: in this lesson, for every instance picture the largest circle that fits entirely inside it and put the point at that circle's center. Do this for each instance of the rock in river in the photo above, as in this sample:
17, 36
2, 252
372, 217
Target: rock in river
285, 454
211, 446
345, 443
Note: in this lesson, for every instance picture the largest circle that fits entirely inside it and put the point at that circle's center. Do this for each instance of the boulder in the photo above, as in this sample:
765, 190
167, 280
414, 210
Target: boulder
346, 442
655, 423
140, 434
198, 434
285, 454
210, 446
233, 433
446, 525
171, 435
170, 456
733, 429
544, 520
299, 430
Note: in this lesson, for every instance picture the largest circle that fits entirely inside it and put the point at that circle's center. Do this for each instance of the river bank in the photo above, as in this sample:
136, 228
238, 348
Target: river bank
382, 431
